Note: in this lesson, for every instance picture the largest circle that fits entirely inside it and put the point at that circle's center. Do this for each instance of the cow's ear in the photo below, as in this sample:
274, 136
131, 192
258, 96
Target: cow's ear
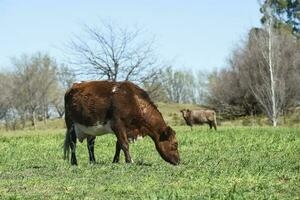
170, 130
167, 133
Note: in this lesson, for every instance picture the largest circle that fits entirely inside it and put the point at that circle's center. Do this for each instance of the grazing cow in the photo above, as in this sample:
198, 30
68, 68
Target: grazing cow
96, 108
199, 117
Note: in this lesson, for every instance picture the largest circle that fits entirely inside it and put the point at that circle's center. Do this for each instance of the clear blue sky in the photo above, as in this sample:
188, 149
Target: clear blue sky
193, 34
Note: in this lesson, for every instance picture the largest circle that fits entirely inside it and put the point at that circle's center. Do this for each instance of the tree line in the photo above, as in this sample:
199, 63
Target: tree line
33, 90
262, 77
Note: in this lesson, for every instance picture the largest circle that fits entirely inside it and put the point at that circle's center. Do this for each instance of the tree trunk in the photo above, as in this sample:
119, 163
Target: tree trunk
274, 112
23, 120
6, 124
33, 120
45, 117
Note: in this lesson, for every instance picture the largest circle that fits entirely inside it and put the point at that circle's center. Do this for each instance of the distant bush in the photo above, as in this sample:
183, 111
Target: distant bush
292, 119
247, 121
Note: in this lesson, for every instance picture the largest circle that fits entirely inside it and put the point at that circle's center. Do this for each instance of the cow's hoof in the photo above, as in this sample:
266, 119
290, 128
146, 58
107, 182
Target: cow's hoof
129, 161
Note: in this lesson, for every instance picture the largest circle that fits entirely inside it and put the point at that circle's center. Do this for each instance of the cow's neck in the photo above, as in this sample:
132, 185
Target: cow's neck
159, 128
156, 127
153, 120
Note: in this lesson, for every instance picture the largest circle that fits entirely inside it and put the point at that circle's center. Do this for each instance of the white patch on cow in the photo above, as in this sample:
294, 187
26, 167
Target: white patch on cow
133, 140
79, 82
139, 137
114, 89
99, 129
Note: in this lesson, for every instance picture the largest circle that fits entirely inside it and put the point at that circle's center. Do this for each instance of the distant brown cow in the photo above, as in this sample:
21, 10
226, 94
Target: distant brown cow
96, 108
199, 117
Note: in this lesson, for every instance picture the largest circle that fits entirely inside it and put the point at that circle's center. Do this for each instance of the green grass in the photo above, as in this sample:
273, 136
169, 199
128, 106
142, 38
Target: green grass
232, 163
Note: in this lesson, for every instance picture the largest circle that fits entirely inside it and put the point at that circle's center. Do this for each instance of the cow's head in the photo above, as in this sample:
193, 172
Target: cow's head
186, 114
168, 146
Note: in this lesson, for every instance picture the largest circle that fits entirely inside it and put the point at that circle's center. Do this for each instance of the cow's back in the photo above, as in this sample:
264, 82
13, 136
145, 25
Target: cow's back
89, 102
94, 102
202, 116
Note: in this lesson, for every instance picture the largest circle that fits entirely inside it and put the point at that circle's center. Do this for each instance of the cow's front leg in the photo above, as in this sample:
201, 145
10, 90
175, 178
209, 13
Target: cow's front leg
90, 146
120, 132
210, 125
122, 138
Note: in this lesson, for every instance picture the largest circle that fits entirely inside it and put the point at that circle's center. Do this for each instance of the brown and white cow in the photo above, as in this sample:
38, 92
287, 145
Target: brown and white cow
199, 117
96, 108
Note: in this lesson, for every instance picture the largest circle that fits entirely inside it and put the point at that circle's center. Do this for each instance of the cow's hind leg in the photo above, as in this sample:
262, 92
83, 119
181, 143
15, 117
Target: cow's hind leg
117, 154
214, 125
73, 147
90, 146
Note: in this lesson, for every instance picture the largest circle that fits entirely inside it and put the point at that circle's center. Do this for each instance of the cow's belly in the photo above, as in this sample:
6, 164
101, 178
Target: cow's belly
83, 131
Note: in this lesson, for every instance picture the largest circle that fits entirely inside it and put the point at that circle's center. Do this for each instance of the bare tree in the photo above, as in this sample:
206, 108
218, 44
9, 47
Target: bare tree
174, 84
32, 90
245, 87
155, 88
275, 84
114, 53
184, 86
265, 85
33, 80
201, 87
227, 94
66, 77
270, 93
48, 83
5, 94
273, 113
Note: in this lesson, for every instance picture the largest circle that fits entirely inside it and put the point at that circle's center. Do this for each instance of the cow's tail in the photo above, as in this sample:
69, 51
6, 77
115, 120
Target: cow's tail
69, 126
67, 140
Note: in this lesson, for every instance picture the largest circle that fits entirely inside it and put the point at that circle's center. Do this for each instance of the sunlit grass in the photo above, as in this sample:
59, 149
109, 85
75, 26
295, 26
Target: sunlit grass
239, 163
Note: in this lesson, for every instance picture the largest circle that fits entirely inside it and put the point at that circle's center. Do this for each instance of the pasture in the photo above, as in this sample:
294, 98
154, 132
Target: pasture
232, 163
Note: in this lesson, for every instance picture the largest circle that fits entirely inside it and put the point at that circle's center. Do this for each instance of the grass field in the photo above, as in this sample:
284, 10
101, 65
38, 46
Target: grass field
232, 163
